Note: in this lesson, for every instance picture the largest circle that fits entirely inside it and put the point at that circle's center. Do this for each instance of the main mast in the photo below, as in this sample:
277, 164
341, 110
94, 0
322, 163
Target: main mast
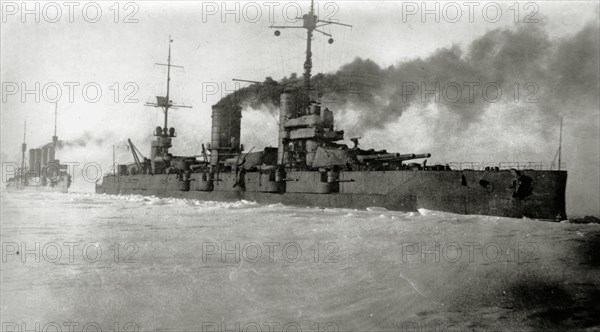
167, 103
560, 143
23, 149
310, 22
289, 106
55, 137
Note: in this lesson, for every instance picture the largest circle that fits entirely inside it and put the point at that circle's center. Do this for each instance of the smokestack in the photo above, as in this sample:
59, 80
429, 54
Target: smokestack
285, 113
226, 127
217, 113
23, 150
215, 134
55, 137
31, 159
38, 161
51, 154
44, 156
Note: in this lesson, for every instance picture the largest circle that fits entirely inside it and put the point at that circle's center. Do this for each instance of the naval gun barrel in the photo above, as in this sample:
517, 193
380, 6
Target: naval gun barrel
405, 157
385, 156
391, 157
422, 155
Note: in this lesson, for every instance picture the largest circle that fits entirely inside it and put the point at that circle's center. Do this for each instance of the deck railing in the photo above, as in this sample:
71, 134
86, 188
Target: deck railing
504, 165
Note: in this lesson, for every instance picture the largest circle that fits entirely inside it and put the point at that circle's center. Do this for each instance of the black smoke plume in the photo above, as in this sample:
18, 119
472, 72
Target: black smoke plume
557, 76
84, 140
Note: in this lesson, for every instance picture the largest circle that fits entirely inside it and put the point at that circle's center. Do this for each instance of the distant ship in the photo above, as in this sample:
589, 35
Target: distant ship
45, 172
309, 168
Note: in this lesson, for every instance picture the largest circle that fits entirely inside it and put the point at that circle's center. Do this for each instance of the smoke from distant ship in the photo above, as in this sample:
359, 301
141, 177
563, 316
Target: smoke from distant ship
84, 140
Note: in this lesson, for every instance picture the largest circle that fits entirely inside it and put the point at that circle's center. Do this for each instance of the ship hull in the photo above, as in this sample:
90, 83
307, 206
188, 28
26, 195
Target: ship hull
61, 186
38, 189
463, 192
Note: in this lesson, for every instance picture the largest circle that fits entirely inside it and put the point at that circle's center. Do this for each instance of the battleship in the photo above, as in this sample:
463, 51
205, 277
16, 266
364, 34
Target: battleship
45, 172
310, 166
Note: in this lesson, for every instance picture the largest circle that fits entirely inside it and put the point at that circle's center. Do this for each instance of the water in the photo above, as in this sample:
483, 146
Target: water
161, 268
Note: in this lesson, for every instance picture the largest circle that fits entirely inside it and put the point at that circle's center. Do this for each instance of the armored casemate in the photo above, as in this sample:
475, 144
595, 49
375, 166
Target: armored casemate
310, 166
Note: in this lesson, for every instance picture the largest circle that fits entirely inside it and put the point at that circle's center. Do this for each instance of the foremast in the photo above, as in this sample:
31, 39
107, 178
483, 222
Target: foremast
23, 150
55, 137
159, 154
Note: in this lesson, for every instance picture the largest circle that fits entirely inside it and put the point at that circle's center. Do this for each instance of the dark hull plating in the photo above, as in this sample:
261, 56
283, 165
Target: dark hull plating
461, 192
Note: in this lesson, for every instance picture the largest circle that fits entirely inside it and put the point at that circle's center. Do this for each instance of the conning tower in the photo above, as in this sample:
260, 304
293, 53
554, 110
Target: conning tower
302, 129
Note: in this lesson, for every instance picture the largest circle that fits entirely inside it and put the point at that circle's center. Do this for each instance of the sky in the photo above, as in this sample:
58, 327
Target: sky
115, 53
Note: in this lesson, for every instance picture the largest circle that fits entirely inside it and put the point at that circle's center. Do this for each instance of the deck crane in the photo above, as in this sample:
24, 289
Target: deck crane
136, 155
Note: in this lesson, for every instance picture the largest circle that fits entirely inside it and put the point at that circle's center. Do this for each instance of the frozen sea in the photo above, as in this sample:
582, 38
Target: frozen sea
80, 261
